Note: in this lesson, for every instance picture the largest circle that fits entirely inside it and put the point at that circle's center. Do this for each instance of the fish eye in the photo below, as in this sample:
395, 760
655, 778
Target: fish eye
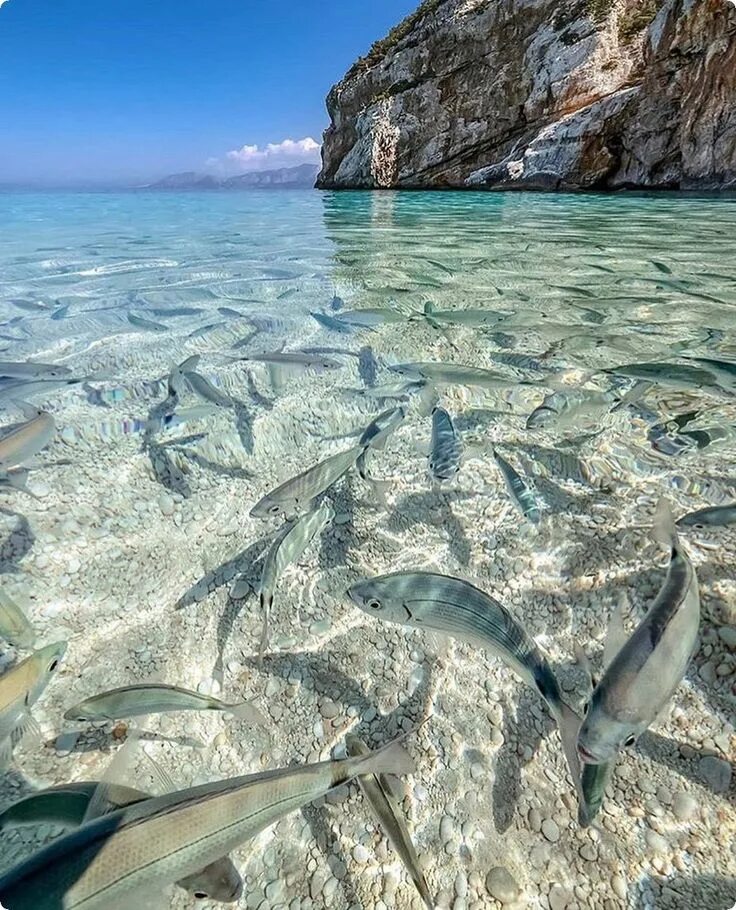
274, 509
374, 604
630, 740
201, 895
699, 526
53, 665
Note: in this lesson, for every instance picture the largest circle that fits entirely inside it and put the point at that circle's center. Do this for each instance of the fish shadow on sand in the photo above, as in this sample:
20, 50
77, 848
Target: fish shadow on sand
165, 469
706, 892
17, 544
433, 508
666, 752
336, 541
257, 397
244, 563
243, 425
97, 740
234, 473
519, 730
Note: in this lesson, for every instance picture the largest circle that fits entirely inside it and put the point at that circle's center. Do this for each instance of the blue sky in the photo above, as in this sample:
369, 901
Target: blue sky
127, 89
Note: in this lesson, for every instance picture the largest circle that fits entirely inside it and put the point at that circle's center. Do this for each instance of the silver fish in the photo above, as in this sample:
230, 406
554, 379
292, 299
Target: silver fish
455, 374
390, 815
723, 370
146, 847
177, 375
330, 322
374, 437
141, 322
203, 387
678, 375
154, 698
20, 689
66, 805
181, 416
367, 365
177, 311
15, 626
30, 306
295, 359
446, 446
286, 549
27, 439
440, 603
369, 317
648, 668
714, 517
519, 491
472, 318
297, 492
29, 370
571, 409
204, 329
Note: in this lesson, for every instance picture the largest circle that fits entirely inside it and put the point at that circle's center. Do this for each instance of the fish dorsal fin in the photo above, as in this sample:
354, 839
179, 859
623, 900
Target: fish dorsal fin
616, 636
117, 772
162, 780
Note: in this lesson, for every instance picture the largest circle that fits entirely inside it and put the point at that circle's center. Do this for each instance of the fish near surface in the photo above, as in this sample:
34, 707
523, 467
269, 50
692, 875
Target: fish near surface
441, 603
15, 626
66, 805
154, 698
20, 689
29, 370
446, 447
141, 849
642, 676
299, 491
456, 374
27, 439
390, 814
519, 490
570, 409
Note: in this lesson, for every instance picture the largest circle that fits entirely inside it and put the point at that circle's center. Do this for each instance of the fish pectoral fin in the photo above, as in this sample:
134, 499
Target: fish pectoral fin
29, 731
117, 772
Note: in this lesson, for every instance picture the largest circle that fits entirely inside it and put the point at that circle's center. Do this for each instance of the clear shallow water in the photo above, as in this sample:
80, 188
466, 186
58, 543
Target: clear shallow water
126, 530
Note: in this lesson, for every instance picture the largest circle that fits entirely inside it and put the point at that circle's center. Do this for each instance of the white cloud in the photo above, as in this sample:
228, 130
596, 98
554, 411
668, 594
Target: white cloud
288, 153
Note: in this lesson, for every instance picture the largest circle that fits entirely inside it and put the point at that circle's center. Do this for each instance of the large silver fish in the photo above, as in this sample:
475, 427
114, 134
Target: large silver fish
299, 491
20, 689
571, 409
374, 438
440, 603
713, 517
390, 815
27, 439
446, 446
66, 806
519, 490
645, 672
29, 370
456, 374
154, 698
286, 549
140, 322
678, 375
144, 848
295, 359
15, 626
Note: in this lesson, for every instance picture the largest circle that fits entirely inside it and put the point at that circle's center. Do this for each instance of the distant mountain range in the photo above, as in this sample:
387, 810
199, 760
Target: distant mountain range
301, 176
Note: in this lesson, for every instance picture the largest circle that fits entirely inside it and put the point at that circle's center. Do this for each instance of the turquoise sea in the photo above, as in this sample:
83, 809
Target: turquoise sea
135, 543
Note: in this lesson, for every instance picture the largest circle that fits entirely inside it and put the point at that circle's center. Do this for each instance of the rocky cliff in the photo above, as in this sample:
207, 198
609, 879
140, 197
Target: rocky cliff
552, 94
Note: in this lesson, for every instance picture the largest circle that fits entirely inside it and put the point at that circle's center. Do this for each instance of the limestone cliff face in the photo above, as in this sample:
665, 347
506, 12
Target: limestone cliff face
552, 94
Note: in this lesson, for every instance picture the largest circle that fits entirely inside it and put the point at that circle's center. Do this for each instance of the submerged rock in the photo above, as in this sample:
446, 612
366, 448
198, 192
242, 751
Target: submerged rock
541, 94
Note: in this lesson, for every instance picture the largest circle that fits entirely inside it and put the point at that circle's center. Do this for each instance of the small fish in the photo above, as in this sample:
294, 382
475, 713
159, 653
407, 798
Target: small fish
519, 491
201, 386
141, 322
15, 626
232, 313
154, 698
177, 375
678, 375
295, 359
520, 361
571, 409
471, 318
205, 329
446, 446
142, 848
66, 806
455, 374
285, 550
390, 815
440, 603
712, 517
27, 439
332, 323
177, 311
367, 366
370, 317
20, 689
299, 491
29, 370
30, 306
642, 676
374, 437
180, 417
723, 370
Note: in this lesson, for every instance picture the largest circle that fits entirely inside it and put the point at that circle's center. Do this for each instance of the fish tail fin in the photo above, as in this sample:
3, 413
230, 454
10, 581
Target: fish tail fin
390, 759
19, 481
663, 527
380, 487
246, 710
